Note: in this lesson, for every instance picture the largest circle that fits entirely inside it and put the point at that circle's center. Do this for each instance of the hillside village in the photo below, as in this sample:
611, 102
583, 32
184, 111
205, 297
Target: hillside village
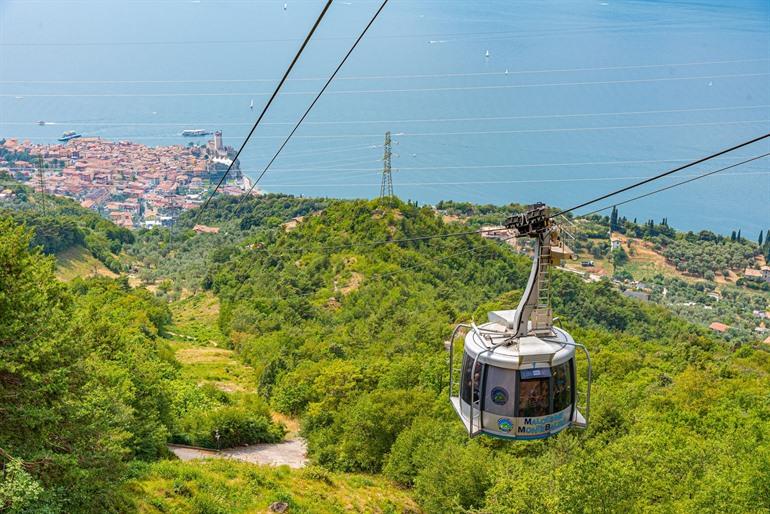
133, 185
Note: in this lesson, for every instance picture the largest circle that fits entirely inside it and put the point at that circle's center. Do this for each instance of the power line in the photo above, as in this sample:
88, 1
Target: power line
381, 91
394, 77
370, 171
415, 120
312, 104
267, 105
664, 174
490, 182
488, 166
464, 133
693, 179
484, 34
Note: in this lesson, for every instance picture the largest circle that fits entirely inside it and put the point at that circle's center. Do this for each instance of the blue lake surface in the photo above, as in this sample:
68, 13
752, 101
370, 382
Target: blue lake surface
575, 99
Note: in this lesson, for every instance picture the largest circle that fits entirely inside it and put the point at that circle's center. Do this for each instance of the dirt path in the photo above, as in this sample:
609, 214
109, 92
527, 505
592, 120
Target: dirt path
290, 453
195, 341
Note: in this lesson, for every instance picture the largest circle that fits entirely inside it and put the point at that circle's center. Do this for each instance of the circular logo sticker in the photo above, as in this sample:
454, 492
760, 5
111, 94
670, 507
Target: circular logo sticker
504, 424
499, 396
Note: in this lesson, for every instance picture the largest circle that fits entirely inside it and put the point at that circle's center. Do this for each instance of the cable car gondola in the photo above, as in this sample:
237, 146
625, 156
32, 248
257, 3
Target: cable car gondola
517, 379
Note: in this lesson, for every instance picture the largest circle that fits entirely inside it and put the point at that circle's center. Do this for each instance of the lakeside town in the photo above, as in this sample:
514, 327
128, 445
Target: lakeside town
134, 185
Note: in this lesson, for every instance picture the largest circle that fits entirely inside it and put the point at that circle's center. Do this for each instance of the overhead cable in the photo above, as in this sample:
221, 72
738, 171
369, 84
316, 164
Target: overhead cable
312, 104
269, 102
664, 174
693, 179
398, 77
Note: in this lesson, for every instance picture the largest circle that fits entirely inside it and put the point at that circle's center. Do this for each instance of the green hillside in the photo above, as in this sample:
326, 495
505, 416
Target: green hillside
347, 335
85, 243
679, 421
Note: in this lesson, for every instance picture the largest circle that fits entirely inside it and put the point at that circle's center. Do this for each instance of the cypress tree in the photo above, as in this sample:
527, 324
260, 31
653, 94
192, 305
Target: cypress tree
739, 236
732, 236
759, 241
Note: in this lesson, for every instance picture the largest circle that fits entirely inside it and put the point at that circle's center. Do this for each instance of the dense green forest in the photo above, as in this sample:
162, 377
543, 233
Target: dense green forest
351, 340
184, 257
90, 387
347, 334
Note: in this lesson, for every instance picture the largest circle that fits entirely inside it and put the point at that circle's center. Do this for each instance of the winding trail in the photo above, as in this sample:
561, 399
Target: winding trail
195, 343
290, 453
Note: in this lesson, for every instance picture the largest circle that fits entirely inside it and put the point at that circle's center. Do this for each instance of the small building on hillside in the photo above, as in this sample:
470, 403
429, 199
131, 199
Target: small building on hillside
758, 275
719, 327
614, 244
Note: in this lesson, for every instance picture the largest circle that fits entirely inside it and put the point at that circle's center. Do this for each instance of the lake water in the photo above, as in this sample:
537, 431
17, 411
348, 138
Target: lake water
576, 97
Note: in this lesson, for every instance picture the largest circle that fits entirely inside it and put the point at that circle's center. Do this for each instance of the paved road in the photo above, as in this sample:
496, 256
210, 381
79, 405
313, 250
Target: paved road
291, 453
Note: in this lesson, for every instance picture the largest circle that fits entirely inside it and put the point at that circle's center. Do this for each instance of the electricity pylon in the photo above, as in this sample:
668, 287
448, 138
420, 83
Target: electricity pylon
386, 187
41, 181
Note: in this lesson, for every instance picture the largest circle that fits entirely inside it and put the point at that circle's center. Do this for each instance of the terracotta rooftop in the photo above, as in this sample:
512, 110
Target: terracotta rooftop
718, 327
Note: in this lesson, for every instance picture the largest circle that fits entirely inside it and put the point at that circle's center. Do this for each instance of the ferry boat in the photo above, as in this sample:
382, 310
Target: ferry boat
195, 133
70, 134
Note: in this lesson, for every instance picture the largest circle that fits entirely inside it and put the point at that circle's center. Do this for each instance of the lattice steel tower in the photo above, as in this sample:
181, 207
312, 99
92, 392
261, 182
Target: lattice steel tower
41, 182
386, 187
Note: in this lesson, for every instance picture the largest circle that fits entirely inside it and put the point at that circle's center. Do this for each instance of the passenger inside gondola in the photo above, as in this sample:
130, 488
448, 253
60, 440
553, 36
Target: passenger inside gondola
533, 394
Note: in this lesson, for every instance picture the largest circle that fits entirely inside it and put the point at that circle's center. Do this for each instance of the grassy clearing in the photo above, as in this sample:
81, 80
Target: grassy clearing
202, 351
215, 366
201, 348
196, 318
227, 486
78, 262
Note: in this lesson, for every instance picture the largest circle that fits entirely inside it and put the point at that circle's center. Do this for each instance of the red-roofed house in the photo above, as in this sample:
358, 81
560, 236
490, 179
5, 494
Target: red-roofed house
719, 327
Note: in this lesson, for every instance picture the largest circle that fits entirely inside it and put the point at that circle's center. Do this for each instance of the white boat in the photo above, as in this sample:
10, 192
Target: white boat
285, 6
195, 133
487, 54
251, 105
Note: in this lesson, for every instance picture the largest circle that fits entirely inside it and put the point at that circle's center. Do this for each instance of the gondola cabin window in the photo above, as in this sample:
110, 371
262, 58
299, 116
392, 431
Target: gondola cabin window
534, 392
470, 380
562, 386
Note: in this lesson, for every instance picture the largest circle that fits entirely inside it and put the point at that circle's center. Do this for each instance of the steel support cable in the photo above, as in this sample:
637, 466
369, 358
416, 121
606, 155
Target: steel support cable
410, 120
664, 174
312, 104
382, 77
267, 105
693, 179
352, 135
384, 91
